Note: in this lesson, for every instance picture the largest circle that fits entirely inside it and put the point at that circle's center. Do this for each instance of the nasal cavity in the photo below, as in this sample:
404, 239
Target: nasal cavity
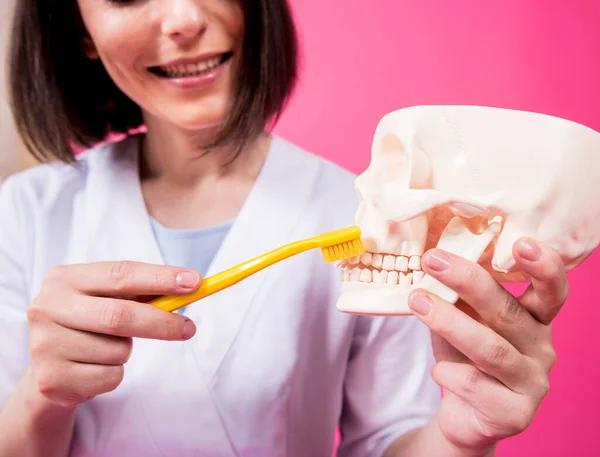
396, 160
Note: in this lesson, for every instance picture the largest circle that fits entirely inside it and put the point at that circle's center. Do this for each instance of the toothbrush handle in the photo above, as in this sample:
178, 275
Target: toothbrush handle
231, 276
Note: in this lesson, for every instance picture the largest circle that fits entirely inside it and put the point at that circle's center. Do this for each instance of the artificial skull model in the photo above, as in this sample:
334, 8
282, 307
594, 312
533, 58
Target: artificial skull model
470, 180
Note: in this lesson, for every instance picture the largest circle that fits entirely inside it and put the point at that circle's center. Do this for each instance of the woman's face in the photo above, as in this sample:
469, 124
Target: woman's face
174, 58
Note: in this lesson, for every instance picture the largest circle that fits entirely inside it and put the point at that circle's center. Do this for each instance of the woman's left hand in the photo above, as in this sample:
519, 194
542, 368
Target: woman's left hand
494, 350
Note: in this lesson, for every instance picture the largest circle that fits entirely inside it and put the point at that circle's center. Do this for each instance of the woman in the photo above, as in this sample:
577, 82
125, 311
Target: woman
268, 367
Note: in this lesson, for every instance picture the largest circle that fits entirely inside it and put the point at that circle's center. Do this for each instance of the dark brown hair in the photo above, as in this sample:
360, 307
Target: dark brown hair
61, 98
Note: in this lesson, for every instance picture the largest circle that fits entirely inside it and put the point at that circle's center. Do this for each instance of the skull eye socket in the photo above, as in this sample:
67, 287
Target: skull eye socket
395, 159
391, 145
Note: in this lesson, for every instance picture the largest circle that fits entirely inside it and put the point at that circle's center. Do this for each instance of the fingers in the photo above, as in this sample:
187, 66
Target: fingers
126, 278
479, 343
499, 412
445, 351
496, 306
81, 326
72, 366
58, 342
111, 316
549, 287
70, 383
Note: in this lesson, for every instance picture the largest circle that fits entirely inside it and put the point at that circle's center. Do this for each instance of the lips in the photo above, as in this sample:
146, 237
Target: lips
191, 67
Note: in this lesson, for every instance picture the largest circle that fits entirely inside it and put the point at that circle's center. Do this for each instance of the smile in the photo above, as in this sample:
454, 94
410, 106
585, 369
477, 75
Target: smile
191, 68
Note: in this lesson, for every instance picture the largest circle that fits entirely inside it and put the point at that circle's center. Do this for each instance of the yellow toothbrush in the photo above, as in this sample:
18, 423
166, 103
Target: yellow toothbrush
336, 245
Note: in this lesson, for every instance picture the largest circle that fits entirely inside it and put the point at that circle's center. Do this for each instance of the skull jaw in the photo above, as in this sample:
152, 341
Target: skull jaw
391, 300
374, 299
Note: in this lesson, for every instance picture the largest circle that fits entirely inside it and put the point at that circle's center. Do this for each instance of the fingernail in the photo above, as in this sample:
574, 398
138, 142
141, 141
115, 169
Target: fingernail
188, 328
530, 250
437, 260
420, 303
188, 279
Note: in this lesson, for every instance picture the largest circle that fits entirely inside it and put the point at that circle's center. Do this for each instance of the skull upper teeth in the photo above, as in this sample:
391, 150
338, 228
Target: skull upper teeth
402, 263
389, 262
366, 258
377, 261
378, 268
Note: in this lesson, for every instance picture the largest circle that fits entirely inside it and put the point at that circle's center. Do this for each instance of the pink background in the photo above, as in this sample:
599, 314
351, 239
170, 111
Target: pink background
363, 59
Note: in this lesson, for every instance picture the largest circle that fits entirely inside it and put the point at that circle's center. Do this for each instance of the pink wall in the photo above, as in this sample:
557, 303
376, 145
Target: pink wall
365, 58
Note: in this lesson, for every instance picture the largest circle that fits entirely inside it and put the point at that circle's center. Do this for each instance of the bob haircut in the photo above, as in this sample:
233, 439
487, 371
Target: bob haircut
60, 98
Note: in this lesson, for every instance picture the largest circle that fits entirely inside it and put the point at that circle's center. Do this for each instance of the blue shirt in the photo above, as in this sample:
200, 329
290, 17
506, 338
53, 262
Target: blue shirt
190, 248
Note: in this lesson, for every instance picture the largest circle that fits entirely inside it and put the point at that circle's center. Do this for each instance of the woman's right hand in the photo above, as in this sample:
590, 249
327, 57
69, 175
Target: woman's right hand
84, 318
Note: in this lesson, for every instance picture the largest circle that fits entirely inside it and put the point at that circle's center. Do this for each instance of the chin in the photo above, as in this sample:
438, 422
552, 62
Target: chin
201, 124
193, 114
200, 120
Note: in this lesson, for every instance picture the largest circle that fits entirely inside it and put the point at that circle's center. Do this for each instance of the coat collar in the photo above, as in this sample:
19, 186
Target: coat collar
118, 221
120, 230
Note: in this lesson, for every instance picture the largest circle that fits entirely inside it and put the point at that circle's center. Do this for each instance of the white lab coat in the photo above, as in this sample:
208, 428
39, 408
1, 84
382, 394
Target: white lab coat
273, 368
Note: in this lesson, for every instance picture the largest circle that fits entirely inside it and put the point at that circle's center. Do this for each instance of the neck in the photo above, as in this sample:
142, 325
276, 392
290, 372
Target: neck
177, 157
179, 177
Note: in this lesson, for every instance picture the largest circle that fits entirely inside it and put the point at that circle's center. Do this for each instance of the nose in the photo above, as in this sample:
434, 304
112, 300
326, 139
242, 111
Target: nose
183, 19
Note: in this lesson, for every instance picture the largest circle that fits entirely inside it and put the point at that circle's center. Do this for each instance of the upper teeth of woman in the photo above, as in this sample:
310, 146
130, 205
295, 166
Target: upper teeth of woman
192, 69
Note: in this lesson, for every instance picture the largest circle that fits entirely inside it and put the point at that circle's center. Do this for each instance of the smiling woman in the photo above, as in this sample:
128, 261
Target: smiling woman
137, 80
